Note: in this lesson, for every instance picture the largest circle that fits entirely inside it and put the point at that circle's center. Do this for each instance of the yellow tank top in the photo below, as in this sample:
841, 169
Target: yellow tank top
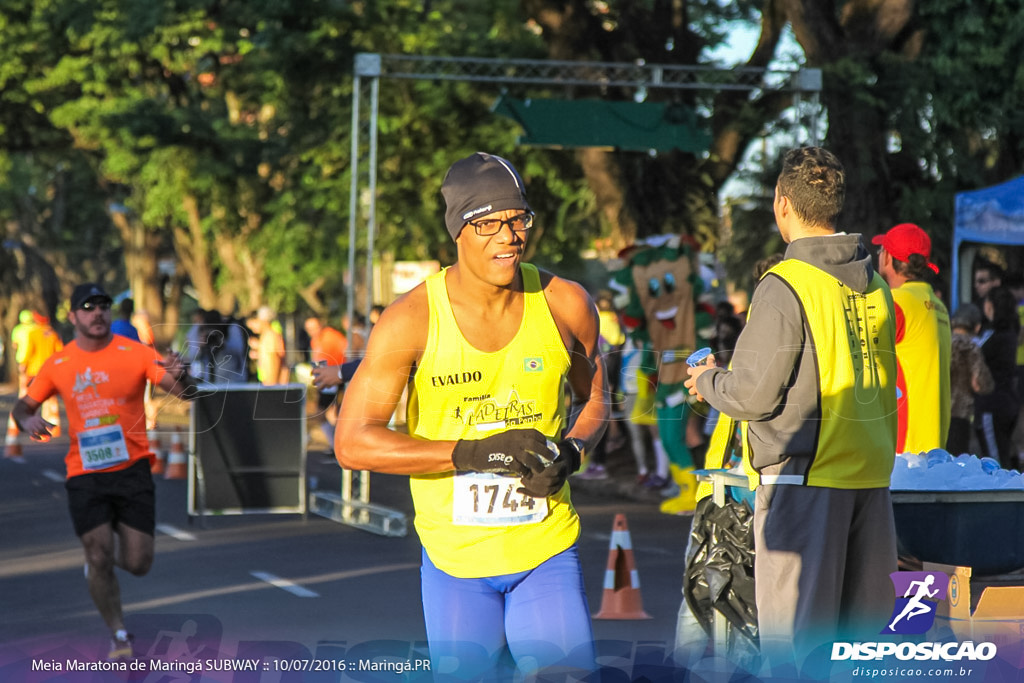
923, 355
475, 525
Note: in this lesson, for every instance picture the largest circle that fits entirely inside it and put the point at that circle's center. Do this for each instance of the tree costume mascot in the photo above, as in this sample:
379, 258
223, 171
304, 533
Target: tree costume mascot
663, 282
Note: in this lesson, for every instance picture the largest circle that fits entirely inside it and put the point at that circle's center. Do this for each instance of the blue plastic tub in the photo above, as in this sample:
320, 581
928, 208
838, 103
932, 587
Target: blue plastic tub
983, 530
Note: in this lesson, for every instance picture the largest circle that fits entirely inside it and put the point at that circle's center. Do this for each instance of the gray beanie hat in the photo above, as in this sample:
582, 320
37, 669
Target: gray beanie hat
480, 184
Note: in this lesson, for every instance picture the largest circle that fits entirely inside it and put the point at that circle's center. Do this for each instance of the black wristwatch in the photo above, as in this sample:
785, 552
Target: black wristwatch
580, 446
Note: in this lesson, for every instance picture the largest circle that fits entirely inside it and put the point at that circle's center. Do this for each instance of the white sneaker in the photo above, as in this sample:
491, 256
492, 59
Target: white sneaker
121, 647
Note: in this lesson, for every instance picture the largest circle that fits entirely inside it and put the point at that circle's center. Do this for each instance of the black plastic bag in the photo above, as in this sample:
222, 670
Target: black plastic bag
719, 574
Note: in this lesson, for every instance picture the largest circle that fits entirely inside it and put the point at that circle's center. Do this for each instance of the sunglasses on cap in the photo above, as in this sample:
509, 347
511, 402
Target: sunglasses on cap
89, 306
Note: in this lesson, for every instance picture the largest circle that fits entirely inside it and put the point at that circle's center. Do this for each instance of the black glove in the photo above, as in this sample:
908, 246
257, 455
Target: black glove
513, 452
547, 481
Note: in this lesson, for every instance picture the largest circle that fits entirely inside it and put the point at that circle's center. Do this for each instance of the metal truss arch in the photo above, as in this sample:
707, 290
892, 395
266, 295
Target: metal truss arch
370, 68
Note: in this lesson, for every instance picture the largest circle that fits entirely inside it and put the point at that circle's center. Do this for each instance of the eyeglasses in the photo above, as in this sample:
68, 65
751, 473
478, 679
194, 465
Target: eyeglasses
982, 280
486, 227
89, 306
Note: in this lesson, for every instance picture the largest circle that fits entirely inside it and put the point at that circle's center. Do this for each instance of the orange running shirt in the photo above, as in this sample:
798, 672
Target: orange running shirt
329, 345
102, 393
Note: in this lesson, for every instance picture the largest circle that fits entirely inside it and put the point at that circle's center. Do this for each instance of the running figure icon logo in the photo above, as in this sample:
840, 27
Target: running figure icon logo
917, 597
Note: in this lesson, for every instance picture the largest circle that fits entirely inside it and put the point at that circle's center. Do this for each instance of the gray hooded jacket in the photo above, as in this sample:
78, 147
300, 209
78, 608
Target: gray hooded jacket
772, 382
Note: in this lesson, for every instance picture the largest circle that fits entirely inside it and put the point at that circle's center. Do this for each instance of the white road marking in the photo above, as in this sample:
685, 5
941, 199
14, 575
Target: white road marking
285, 584
175, 532
182, 597
54, 475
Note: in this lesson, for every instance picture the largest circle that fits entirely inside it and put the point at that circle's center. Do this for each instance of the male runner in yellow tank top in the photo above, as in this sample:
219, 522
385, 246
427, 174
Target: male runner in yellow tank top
488, 347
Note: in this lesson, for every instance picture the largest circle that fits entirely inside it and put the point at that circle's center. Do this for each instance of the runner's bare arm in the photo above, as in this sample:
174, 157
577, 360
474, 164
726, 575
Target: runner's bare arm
576, 316
176, 380
26, 416
362, 440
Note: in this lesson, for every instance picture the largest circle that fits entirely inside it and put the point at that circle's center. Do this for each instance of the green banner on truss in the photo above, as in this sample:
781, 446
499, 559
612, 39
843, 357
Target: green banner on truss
635, 126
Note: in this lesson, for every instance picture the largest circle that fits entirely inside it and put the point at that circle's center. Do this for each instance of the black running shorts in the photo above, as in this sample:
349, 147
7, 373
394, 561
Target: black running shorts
122, 497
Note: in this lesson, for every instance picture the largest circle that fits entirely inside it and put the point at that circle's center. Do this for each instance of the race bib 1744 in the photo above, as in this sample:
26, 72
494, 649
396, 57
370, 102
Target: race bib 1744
491, 500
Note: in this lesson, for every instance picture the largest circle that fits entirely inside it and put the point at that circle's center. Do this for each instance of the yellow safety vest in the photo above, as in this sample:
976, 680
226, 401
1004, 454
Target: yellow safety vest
719, 452
853, 336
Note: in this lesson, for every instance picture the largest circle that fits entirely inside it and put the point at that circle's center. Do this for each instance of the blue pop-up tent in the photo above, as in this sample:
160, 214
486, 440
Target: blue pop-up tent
991, 215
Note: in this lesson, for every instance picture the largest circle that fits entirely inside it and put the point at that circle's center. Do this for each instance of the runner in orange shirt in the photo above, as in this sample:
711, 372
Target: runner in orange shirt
101, 378
328, 347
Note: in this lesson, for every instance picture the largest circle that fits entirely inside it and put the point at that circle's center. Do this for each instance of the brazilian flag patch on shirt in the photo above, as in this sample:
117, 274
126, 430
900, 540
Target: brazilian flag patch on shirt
533, 364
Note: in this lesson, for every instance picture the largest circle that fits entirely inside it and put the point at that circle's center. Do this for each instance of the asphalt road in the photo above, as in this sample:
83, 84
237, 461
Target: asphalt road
227, 589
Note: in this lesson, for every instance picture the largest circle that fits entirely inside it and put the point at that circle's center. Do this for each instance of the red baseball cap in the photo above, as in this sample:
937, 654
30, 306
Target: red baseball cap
905, 239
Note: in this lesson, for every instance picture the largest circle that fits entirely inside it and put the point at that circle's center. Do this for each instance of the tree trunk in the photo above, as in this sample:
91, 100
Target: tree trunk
193, 250
141, 255
27, 281
857, 136
246, 270
246, 267
673, 192
846, 44
604, 177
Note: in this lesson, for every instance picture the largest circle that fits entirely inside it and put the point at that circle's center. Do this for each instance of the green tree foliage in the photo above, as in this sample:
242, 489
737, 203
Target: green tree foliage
640, 194
47, 196
426, 125
923, 100
216, 135
219, 133
957, 122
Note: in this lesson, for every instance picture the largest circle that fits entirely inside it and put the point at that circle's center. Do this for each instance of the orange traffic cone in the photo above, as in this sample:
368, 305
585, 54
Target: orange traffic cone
160, 462
177, 463
621, 598
12, 447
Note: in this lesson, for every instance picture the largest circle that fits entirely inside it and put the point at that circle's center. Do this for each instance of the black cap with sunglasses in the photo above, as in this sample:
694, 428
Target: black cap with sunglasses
86, 292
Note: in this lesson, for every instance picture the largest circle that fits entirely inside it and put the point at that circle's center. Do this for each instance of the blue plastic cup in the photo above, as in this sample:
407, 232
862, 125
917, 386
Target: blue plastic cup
937, 456
990, 465
698, 356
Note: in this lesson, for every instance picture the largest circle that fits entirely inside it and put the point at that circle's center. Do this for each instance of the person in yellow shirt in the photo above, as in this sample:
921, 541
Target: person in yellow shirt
19, 335
19, 346
268, 348
42, 342
487, 348
923, 339
610, 342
